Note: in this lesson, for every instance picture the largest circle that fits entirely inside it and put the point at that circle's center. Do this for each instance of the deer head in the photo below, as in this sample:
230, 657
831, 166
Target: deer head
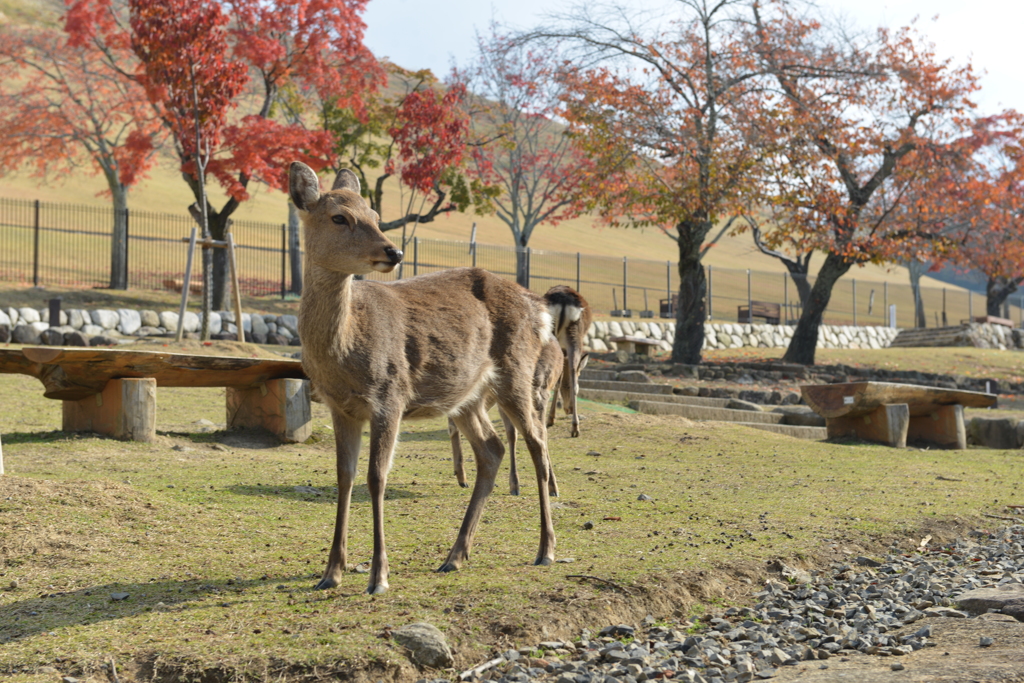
341, 230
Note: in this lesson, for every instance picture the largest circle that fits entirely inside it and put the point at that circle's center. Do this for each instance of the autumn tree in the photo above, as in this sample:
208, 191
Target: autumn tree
528, 158
668, 119
858, 111
64, 107
242, 69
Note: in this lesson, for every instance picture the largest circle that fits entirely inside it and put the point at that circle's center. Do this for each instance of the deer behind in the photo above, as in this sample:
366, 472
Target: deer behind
440, 344
571, 317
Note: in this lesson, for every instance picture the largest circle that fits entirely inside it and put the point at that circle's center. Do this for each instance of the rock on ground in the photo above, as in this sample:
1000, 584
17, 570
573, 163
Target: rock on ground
426, 645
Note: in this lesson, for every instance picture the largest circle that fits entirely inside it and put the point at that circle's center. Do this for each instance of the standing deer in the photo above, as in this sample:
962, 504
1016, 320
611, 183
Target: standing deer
571, 317
439, 344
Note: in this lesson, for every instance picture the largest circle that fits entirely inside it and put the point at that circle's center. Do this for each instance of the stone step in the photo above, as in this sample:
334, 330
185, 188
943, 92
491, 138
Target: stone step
636, 387
704, 412
599, 375
626, 396
812, 433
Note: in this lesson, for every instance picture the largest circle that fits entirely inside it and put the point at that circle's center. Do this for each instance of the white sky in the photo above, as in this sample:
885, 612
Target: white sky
432, 33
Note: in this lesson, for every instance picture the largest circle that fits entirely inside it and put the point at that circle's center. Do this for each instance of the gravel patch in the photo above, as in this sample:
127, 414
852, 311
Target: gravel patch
864, 606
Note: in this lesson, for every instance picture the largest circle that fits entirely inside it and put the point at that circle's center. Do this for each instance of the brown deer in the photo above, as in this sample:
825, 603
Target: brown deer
439, 344
571, 318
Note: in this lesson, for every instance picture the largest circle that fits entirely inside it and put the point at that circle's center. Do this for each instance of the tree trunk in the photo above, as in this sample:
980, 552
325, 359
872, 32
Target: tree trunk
997, 291
218, 223
805, 337
916, 270
119, 238
523, 266
294, 250
692, 310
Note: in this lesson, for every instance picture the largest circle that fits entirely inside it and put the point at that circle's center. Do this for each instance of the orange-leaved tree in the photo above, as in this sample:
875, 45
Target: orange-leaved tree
63, 107
674, 123
861, 113
522, 152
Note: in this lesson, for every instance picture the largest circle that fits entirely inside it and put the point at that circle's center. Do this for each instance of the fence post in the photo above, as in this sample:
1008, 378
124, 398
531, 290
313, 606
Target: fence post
284, 257
750, 301
625, 282
529, 254
855, 302
577, 271
944, 318
710, 299
785, 299
885, 299
970, 305
668, 285
127, 245
35, 247
415, 256
473, 245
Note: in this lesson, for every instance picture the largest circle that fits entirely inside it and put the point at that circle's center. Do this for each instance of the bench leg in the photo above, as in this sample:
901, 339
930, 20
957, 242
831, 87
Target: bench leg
280, 406
885, 424
125, 409
944, 426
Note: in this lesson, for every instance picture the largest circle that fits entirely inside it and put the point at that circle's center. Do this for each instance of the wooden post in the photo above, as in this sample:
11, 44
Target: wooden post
1, 457
281, 406
186, 285
125, 409
943, 426
237, 296
885, 424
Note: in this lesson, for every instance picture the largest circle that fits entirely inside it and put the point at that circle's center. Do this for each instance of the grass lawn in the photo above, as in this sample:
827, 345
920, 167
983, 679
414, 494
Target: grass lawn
218, 550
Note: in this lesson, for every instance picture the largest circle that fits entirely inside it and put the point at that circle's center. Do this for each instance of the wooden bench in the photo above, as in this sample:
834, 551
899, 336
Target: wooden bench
991, 319
637, 345
890, 413
772, 313
113, 392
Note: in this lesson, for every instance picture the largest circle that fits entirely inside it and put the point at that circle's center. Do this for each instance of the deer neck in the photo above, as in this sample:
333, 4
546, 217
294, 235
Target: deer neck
325, 312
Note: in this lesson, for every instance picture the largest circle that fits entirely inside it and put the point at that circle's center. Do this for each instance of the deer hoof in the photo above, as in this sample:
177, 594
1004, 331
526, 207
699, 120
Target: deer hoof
574, 432
543, 562
376, 589
447, 567
464, 484
325, 583
513, 491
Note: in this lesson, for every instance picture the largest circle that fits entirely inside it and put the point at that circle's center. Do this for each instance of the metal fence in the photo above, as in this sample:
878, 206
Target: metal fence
65, 245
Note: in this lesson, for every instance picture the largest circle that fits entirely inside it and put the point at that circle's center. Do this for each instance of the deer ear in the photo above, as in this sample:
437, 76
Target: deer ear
303, 185
583, 362
346, 180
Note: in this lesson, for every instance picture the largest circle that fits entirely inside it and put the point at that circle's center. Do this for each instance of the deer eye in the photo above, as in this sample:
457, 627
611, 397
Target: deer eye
340, 219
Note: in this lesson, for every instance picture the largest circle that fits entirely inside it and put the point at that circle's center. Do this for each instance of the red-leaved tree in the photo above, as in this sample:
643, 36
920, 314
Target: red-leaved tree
268, 53
64, 107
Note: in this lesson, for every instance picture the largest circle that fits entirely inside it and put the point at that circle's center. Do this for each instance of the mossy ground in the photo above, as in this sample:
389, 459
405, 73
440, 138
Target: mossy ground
218, 551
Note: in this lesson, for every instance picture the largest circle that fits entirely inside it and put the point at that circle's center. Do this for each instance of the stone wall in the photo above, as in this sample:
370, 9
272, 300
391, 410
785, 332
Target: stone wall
80, 327
738, 335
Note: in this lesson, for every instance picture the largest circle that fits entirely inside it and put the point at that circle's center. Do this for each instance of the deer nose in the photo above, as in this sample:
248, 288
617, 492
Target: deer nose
394, 254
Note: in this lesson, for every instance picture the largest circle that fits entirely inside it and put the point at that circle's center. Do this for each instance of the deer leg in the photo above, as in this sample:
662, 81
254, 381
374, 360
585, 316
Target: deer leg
570, 387
535, 436
383, 435
453, 434
487, 449
513, 471
347, 434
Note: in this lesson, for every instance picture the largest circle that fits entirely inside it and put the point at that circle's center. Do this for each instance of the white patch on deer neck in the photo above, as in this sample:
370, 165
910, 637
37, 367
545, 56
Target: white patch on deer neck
544, 327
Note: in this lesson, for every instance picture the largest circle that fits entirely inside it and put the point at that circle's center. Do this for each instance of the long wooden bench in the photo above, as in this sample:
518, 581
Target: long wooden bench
890, 413
113, 392
771, 313
638, 345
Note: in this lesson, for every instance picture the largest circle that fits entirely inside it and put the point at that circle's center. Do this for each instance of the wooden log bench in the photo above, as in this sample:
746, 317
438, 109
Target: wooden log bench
771, 313
638, 345
113, 392
990, 319
890, 413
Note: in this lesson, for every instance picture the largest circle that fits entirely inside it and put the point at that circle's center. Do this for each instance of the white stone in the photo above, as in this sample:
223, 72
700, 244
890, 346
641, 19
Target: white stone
257, 325
91, 330
644, 328
598, 346
216, 324
615, 329
130, 319
627, 327
272, 329
106, 319
289, 322
736, 342
12, 313
25, 334
284, 332
247, 323
228, 328
226, 316
664, 345
190, 323
77, 317
28, 315
169, 320
5, 319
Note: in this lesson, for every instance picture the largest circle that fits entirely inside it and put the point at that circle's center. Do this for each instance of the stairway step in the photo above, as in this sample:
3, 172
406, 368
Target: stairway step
704, 412
796, 431
599, 375
635, 387
626, 396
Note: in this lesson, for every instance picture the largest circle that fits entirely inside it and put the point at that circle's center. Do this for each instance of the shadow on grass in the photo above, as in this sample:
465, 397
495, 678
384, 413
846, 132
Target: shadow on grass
95, 604
11, 438
323, 494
